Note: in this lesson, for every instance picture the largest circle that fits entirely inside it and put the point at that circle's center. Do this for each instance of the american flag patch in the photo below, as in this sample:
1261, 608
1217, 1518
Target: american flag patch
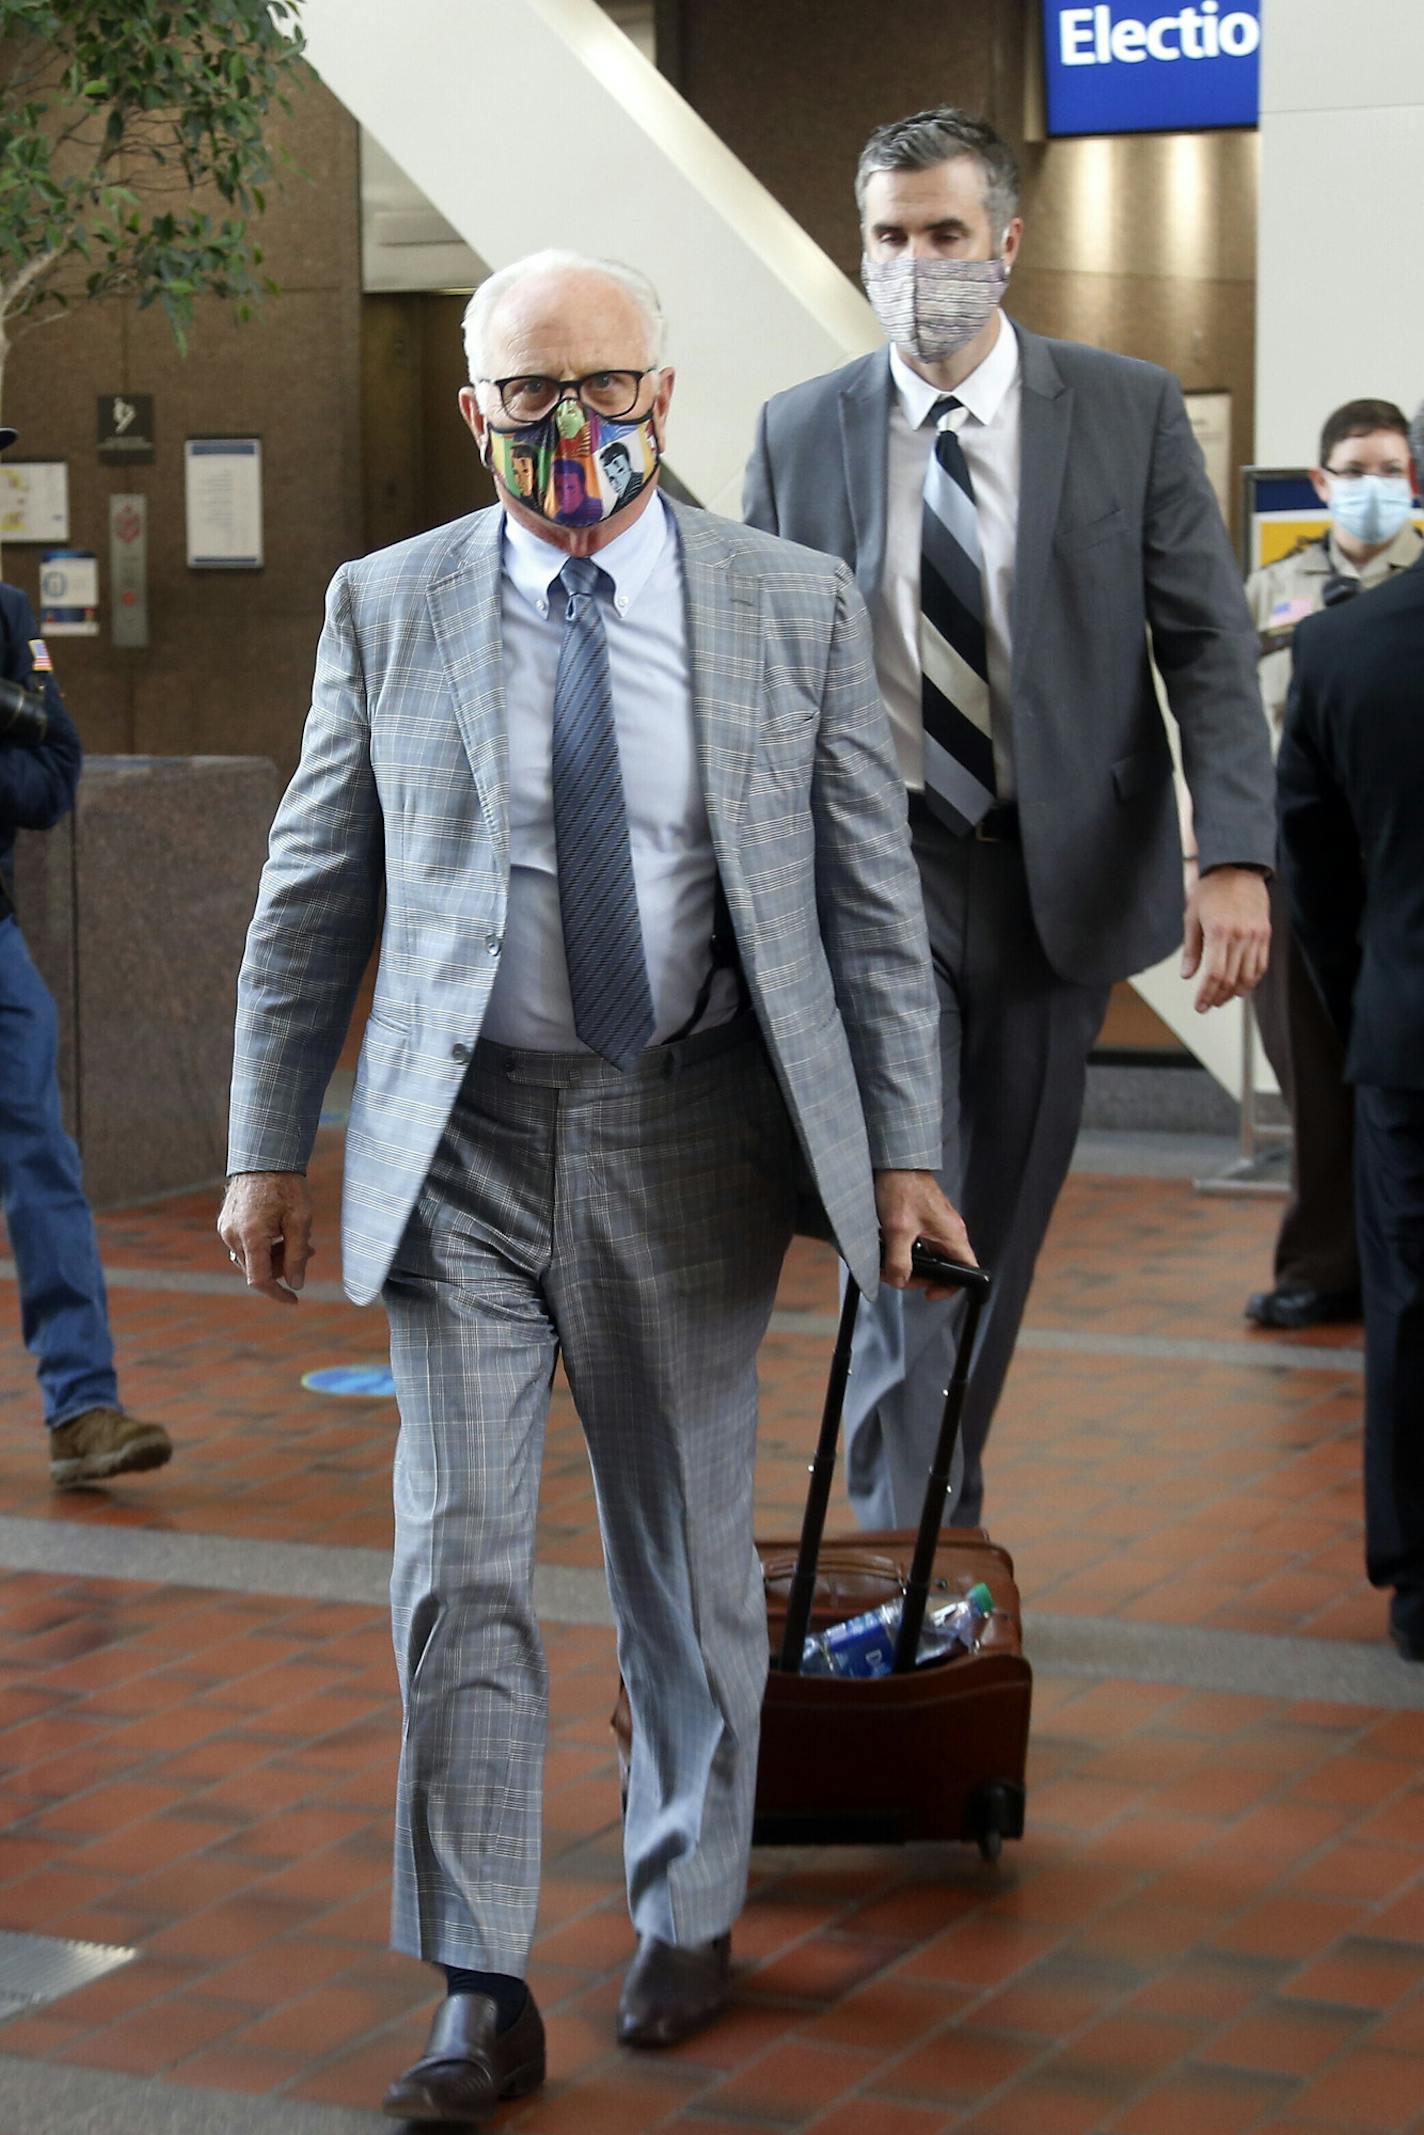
39, 653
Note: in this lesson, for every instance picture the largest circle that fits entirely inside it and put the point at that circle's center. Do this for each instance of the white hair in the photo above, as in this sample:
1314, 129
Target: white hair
486, 299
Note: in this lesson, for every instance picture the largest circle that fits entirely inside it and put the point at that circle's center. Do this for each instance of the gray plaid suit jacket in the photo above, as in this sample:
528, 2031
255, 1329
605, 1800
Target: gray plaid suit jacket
401, 797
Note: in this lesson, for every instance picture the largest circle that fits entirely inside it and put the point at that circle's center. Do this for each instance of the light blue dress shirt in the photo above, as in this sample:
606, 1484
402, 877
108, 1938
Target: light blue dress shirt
645, 623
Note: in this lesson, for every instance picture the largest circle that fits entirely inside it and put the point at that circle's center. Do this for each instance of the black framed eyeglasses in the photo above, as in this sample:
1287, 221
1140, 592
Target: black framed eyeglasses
529, 396
1358, 474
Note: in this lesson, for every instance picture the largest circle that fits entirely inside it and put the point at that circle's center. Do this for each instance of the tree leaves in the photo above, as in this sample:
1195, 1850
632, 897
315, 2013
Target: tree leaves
98, 95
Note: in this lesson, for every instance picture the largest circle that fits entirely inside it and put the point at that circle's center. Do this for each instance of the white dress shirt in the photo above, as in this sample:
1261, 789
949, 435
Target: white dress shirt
988, 427
644, 622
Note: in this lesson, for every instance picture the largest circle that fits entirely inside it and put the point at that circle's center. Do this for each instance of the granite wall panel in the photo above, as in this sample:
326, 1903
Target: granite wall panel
141, 945
44, 903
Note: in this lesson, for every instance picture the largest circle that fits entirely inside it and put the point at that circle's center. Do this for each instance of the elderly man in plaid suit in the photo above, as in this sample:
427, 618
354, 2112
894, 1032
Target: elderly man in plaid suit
652, 956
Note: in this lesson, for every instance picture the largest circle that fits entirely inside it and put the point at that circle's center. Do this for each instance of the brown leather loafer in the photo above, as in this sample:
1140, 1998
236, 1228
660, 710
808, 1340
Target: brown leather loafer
467, 2067
673, 1989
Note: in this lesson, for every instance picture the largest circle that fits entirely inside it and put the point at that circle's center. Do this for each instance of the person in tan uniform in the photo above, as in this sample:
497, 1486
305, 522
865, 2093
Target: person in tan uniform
1366, 479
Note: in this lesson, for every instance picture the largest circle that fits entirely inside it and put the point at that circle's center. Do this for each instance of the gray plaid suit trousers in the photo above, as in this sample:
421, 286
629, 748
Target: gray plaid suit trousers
635, 1225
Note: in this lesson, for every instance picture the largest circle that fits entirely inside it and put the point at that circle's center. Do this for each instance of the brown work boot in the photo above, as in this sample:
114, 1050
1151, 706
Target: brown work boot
104, 1442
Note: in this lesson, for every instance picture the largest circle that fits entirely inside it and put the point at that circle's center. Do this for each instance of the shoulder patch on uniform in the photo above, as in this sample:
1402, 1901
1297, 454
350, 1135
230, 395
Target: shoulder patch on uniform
39, 653
1292, 611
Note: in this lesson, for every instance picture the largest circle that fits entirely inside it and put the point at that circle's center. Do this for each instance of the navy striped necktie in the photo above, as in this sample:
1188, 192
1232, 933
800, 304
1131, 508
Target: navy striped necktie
598, 898
954, 664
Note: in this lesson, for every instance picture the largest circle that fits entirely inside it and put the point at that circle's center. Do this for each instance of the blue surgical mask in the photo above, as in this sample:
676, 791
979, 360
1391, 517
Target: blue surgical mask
1370, 508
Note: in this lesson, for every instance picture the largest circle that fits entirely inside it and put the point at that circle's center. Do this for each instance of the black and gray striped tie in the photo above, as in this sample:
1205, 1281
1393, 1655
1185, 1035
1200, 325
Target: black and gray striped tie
954, 666
598, 898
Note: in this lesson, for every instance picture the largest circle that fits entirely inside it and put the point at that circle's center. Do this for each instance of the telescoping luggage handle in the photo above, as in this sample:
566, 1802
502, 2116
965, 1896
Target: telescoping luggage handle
975, 1282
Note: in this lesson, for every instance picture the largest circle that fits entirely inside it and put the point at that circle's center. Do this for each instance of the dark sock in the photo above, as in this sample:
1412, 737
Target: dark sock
508, 1995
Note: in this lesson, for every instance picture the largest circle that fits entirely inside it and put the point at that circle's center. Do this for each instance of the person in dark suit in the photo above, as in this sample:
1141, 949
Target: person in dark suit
63, 1308
1351, 801
1021, 515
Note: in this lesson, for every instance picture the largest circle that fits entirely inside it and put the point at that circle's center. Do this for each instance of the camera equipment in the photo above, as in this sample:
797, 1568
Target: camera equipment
23, 719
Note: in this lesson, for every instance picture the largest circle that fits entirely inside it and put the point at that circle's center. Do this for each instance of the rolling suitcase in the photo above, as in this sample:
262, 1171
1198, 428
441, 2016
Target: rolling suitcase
935, 1751
929, 1752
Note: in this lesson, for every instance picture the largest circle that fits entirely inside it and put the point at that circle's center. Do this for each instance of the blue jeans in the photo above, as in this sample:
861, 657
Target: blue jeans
64, 1315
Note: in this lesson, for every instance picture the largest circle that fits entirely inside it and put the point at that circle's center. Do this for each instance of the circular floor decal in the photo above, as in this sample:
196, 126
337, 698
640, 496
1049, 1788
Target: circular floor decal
369, 1379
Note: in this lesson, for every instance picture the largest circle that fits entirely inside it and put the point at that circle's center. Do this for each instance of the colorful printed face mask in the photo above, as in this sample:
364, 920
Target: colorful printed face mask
933, 306
572, 467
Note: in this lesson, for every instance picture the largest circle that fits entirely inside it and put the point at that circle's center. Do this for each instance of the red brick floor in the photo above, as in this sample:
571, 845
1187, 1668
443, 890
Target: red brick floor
1216, 1921
1230, 1494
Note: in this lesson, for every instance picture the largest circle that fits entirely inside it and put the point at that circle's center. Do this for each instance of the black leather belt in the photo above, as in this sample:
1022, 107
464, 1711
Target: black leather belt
1000, 826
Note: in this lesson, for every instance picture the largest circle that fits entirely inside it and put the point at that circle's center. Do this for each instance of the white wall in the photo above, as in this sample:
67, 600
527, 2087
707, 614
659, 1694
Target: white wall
1340, 288
405, 243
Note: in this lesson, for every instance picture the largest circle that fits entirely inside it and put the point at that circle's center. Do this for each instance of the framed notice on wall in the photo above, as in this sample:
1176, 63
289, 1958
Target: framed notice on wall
69, 593
222, 493
34, 500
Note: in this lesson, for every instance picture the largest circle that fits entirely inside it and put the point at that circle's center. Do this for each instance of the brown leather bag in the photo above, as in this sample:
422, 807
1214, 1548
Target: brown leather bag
931, 1751
936, 1752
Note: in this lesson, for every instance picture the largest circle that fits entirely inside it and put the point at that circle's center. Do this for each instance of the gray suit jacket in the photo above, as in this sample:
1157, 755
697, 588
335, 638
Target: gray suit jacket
1118, 532
401, 795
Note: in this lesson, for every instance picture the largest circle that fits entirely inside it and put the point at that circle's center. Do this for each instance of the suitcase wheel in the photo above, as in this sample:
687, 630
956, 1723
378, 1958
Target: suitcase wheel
996, 1812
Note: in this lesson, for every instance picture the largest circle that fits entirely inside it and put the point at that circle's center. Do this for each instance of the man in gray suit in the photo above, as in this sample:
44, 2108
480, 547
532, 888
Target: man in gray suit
651, 931
1027, 519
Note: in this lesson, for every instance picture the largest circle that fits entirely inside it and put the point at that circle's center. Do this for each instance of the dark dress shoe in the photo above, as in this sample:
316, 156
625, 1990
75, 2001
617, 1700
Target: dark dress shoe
1304, 1308
467, 2067
673, 1989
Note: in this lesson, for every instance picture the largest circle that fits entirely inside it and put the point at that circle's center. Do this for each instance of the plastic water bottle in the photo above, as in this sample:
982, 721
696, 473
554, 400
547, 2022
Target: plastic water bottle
865, 1645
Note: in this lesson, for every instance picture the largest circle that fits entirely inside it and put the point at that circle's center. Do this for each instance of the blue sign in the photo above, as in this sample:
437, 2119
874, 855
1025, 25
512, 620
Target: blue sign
368, 1380
1120, 67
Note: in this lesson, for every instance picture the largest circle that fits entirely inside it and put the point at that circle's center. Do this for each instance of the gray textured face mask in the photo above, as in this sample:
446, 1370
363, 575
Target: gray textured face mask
932, 307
